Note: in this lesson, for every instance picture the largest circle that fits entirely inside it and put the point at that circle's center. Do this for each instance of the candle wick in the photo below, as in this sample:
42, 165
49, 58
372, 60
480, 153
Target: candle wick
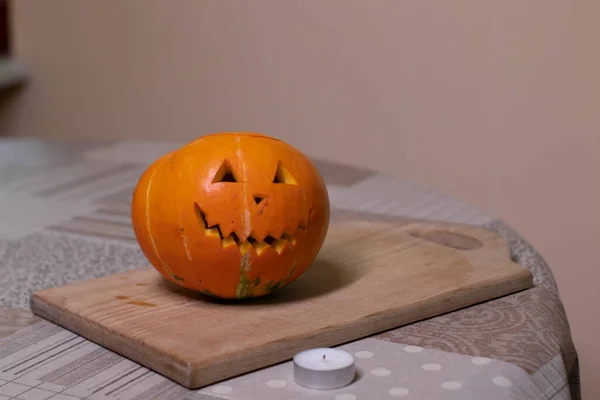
323, 356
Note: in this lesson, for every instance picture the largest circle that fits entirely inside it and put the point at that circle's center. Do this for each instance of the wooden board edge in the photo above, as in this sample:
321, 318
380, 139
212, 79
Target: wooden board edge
122, 345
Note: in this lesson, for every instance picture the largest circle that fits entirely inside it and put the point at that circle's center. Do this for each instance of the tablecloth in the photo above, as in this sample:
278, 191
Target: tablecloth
64, 216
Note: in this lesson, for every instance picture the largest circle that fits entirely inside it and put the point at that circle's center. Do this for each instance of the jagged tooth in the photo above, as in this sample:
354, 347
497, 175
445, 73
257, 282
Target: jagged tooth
212, 232
257, 236
290, 238
225, 232
276, 234
279, 245
228, 241
260, 247
269, 240
242, 236
215, 230
245, 247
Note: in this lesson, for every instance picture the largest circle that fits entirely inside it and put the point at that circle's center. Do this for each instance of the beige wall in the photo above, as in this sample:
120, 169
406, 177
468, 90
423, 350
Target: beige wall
492, 101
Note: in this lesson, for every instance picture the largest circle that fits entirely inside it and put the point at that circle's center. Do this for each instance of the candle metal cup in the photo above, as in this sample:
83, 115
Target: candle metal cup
324, 368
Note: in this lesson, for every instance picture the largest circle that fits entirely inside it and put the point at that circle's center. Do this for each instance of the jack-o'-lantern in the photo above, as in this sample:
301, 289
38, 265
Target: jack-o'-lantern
232, 215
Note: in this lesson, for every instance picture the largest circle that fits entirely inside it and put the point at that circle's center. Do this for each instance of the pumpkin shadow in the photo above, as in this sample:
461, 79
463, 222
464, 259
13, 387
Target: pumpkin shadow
323, 277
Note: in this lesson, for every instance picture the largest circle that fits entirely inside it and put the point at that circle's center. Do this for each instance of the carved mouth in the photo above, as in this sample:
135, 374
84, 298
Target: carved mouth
276, 243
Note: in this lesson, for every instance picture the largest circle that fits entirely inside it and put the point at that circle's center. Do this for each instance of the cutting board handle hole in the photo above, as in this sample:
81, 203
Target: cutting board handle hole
453, 240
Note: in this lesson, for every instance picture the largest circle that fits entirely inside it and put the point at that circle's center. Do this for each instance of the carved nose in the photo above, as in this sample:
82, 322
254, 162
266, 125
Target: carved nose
259, 198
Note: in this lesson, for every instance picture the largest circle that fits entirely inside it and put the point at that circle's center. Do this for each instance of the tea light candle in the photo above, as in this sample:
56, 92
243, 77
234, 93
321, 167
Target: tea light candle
323, 368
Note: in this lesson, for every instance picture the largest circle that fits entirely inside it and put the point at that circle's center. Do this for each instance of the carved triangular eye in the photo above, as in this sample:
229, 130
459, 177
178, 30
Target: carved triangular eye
225, 173
282, 175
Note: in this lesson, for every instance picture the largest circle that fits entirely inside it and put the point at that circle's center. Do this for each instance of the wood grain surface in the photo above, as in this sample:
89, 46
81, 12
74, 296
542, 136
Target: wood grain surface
368, 278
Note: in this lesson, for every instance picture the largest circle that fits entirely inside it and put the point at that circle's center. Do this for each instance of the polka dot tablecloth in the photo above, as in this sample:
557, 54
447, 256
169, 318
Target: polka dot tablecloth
388, 370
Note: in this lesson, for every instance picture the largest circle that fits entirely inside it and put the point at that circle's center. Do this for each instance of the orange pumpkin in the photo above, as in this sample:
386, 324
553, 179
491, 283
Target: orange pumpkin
232, 215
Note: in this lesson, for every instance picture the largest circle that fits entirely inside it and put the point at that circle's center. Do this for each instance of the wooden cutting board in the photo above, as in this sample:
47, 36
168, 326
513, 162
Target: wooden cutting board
368, 278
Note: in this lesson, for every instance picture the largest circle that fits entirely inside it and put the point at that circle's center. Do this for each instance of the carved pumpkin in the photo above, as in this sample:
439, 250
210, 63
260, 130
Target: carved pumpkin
232, 215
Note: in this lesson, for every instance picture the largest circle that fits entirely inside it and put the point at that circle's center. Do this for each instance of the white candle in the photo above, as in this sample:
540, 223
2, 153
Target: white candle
324, 368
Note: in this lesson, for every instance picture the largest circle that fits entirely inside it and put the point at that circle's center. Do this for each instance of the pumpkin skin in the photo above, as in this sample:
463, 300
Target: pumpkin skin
231, 215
